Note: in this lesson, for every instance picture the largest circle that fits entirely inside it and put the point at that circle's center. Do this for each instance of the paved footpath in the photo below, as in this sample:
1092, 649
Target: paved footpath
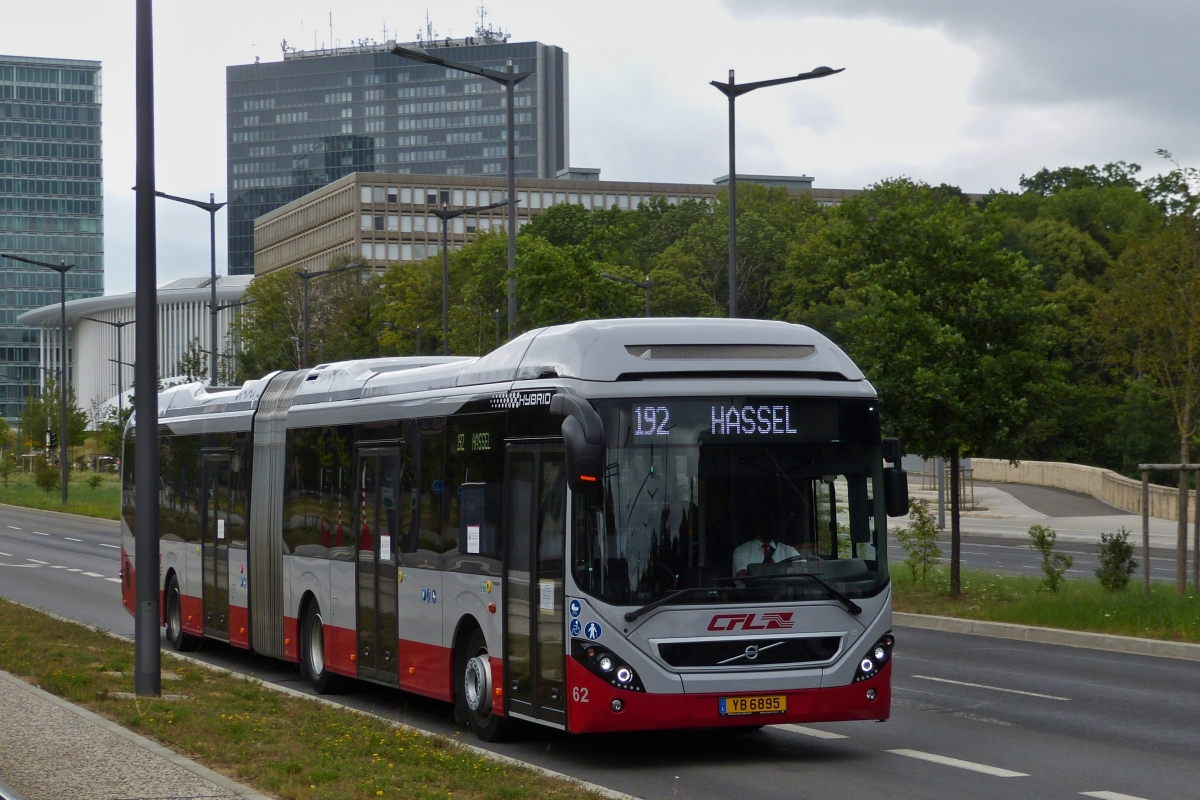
52, 750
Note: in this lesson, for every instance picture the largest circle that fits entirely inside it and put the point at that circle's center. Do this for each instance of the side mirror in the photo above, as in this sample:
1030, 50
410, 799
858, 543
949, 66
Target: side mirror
583, 436
895, 479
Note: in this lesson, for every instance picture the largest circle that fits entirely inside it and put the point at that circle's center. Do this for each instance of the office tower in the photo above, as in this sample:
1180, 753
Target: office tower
316, 116
51, 205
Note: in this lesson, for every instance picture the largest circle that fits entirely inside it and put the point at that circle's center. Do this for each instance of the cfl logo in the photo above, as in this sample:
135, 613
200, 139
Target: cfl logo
771, 621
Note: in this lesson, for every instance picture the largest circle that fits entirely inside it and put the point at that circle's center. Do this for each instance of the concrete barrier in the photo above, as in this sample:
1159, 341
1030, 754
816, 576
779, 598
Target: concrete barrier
1103, 484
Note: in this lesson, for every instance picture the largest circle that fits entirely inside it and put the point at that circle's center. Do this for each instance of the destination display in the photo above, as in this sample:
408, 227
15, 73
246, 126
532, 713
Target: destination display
729, 417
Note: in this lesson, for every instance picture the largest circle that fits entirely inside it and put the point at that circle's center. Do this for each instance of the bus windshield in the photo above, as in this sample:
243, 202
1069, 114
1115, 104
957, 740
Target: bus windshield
747, 497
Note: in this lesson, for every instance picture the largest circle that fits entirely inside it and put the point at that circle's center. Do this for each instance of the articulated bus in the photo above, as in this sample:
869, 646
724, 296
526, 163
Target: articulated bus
610, 525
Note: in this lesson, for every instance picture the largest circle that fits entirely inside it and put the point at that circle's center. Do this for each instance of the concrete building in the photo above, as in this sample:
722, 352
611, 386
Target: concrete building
51, 202
316, 116
96, 347
381, 218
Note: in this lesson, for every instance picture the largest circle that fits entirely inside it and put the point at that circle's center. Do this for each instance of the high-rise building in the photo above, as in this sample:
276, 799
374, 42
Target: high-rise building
316, 116
51, 206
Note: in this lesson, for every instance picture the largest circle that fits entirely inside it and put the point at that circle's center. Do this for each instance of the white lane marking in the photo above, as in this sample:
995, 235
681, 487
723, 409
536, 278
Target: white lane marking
113, 580
113, 546
56, 566
813, 732
992, 688
956, 762
73, 569
13, 527
39, 533
6, 555
34, 560
69, 539
93, 574
1111, 796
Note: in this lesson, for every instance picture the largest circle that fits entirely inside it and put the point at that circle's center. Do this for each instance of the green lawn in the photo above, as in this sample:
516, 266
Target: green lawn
284, 745
104, 501
1080, 605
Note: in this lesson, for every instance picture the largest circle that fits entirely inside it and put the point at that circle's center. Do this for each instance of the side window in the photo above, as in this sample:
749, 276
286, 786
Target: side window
239, 467
336, 525
474, 482
430, 451
304, 496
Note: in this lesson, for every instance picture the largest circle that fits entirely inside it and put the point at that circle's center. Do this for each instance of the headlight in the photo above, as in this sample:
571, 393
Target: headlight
875, 659
624, 675
880, 653
607, 666
605, 663
867, 665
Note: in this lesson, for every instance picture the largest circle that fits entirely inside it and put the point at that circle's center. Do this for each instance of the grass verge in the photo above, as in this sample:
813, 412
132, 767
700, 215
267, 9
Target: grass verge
103, 501
1079, 605
287, 746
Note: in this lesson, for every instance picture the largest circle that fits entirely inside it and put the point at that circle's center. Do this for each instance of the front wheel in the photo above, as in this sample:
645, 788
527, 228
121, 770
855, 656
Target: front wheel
312, 651
475, 683
180, 641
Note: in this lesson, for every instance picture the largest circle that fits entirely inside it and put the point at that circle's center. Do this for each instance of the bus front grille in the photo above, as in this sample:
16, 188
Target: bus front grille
749, 652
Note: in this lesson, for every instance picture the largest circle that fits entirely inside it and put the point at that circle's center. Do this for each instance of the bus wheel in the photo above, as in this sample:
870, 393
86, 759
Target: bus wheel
312, 651
175, 635
475, 682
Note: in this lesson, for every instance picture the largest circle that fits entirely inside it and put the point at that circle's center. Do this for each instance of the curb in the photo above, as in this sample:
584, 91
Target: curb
116, 523
141, 741
1131, 645
602, 791
8, 793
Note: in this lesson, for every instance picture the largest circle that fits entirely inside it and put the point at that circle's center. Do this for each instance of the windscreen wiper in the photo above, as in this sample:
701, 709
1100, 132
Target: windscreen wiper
851, 606
630, 616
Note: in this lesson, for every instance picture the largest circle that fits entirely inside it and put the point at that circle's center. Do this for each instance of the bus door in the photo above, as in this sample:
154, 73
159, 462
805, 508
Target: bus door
215, 542
378, 478
534, 649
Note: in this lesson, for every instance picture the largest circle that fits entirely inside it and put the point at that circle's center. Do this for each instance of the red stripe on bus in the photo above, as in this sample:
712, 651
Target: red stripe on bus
340, 646
192, 611
497, 685
291, 639
589, 708
425, 669
239, 627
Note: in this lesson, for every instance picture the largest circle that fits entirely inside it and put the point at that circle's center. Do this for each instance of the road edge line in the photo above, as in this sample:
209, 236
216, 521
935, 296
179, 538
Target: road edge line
1130, 645
116, 523
603, 791
224, 781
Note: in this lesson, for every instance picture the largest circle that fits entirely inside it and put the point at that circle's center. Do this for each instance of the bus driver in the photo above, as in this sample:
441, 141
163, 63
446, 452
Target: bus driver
762, 549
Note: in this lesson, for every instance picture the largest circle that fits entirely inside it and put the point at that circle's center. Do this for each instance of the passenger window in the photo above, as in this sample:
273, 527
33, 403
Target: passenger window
474, 478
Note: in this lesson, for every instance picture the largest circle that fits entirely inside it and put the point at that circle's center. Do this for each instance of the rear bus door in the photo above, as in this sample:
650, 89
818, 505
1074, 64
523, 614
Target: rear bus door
215, 542
534, 650
377, 483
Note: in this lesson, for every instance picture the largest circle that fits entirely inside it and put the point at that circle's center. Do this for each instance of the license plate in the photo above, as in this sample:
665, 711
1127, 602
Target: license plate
761, 704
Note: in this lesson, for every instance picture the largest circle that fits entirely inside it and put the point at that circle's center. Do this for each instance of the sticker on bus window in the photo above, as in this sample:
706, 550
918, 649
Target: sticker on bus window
472, 538
385, 548
220, 529
546, 597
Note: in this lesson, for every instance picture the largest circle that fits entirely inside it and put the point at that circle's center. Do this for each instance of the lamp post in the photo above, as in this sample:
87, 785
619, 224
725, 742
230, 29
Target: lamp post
445, 215
62, 268
414, 331
312, 276
509, 80
646, 284
120, 384
732, 91
212, 207
214, 352
496, 316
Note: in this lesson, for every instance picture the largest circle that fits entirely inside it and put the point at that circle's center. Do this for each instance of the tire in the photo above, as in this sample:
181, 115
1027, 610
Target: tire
474, 676
312, 652
180, 641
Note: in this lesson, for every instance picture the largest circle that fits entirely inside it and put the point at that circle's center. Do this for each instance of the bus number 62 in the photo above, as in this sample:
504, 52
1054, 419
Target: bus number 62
579, 694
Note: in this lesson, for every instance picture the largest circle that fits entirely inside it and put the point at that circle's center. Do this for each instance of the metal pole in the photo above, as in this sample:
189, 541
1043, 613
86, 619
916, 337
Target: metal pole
418, 340
1196, 541
496, 316
304, 348
147, 678
62, 381
1146, 530
1181, 541
512, 203
445, 289
940, 466
212, 308
733, 276
648, 285
120, 385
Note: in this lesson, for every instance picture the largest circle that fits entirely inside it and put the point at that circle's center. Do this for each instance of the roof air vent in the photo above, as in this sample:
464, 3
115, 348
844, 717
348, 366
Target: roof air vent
708, 352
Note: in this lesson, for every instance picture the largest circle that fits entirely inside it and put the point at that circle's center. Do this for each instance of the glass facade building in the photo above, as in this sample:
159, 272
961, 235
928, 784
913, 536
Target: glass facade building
51, 204
298, 124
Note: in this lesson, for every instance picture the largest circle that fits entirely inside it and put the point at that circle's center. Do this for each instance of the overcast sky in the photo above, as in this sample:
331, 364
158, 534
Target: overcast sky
965, 92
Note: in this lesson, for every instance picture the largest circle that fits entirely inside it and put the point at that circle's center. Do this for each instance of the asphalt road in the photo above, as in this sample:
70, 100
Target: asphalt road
972, 717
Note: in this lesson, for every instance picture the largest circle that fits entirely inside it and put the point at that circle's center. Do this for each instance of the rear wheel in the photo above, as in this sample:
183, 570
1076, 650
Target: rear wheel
179, 640
312, 651
475, 685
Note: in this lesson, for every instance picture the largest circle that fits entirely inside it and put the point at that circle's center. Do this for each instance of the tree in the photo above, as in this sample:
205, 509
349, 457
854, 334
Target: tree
1054, 565
1117, 563
919, 540
947, 326
46, 475
193, 364
43, 412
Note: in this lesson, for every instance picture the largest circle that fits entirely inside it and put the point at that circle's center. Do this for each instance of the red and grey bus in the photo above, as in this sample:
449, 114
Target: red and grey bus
604, 526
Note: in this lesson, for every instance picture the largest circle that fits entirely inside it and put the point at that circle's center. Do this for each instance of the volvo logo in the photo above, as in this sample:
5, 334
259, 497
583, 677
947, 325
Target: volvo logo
751, 652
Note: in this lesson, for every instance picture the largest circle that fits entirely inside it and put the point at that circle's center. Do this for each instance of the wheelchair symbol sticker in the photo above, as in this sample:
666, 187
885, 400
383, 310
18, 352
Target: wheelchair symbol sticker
576, 627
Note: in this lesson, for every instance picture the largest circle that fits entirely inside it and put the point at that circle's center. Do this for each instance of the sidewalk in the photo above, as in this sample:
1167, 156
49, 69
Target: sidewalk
52, 750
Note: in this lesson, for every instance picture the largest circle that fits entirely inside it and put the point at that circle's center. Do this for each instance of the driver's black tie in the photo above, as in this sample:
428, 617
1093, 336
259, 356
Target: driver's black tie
768, 554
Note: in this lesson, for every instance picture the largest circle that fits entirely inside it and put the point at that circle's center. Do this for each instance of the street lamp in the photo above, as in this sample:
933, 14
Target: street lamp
445, 215
212, 207
509, 80
312, 276
646, 284
732, 91
61, 268
414, 331
120, 384
215, 353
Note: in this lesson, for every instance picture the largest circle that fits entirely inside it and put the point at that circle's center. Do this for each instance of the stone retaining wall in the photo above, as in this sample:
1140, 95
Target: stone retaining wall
1103, 484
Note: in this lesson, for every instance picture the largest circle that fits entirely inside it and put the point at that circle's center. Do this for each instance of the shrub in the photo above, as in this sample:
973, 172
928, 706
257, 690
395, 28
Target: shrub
1117, 563
45, 475
919, 540
94, 480
1054, 565
6, 469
